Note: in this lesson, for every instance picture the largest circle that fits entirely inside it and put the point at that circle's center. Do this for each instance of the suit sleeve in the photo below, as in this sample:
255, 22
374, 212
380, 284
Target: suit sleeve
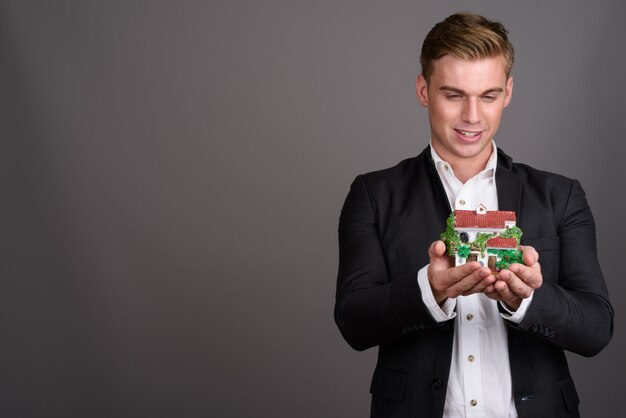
572, 310
371, 308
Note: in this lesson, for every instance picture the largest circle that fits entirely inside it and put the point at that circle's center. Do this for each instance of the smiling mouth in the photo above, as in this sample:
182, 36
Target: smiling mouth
468, 134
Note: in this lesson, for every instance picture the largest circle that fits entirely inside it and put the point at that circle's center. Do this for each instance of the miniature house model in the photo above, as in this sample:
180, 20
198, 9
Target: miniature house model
489, 237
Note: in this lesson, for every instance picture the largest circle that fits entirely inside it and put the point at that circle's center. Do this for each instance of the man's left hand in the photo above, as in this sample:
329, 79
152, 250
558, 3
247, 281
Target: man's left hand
518, 281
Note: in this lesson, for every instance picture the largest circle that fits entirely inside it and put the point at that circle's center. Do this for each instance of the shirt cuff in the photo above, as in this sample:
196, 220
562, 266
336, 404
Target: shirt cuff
442, 313
518, 315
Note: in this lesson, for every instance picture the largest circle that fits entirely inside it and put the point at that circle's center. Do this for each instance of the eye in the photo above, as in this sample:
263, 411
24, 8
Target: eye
489, 98
454, 96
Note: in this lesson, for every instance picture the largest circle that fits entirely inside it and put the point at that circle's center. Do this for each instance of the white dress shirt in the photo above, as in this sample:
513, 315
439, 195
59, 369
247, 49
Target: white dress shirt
479, 384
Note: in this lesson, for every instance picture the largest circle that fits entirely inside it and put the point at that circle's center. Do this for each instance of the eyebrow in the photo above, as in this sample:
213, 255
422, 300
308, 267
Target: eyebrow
455, 90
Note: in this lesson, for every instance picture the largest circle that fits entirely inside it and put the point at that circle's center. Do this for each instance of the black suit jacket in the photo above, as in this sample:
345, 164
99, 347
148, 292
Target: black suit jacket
389, 219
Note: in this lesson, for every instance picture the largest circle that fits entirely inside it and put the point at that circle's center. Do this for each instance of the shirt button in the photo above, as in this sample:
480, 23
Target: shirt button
473, 402
445, 167
470, 358
462, 202
469, 316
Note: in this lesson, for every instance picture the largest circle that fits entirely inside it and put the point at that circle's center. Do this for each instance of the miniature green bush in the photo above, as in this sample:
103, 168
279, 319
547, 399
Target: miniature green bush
507, 257
463, 251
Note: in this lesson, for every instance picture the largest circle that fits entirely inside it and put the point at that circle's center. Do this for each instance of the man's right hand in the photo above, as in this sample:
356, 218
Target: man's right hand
448, 281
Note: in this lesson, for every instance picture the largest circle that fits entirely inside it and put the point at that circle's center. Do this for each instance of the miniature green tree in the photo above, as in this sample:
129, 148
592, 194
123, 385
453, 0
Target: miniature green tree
450, 236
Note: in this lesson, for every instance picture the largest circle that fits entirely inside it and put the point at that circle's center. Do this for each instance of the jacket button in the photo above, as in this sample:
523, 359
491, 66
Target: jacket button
437, 383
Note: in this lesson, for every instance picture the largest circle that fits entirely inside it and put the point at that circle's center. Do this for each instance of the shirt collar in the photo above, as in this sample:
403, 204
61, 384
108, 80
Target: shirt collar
490, 168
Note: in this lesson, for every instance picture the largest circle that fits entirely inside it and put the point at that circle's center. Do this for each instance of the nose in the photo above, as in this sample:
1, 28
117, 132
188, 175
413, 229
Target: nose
471, 112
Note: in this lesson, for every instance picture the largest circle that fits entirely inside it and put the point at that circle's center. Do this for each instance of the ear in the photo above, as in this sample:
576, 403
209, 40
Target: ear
421, 90
509, 91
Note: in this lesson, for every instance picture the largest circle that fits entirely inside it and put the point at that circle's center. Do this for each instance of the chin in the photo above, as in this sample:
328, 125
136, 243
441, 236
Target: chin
472, 150
469, 151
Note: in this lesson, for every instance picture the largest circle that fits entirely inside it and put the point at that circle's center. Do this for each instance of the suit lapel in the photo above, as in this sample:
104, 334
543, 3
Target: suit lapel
438, 191
508, 185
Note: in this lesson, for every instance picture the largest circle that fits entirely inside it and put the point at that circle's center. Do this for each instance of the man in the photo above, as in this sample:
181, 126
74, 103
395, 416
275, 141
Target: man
458, 341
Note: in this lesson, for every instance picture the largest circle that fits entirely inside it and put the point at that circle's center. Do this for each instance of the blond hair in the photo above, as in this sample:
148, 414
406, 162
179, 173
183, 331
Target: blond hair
467, 36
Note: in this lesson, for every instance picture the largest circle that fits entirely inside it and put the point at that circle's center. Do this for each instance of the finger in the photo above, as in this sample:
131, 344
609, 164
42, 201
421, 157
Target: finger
503, 289
489, 289
491, 292
515, 285
437, 249
529, 275
460, 272
438, 257
481, 286
529, 255
468, 282
493, 295
507, 296
448, 276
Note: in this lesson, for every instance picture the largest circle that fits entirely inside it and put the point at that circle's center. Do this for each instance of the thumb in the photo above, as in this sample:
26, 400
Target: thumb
529, 255
436, 250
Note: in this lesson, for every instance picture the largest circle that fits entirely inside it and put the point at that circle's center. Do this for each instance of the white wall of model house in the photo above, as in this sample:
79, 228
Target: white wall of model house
472, 231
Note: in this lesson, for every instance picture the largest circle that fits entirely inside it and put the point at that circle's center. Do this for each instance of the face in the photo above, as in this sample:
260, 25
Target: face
465, 101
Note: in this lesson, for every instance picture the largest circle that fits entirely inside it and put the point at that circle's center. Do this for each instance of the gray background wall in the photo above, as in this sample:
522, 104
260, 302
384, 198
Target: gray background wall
172, 174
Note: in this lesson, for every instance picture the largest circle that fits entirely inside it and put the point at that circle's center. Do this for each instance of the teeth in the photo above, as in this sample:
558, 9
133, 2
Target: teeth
469, 134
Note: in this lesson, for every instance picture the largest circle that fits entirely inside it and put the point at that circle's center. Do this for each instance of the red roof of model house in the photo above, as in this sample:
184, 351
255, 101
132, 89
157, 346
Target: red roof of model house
502, 243
493, 219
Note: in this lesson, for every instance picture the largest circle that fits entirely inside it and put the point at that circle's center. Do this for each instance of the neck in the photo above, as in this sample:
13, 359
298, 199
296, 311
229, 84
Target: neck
465, 168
